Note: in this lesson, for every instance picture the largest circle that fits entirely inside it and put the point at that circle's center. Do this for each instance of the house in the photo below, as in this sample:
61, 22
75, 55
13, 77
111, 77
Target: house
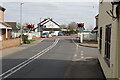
96, 27
95, 30
49, 26
4, 31
4, 27
14, 28
109, 38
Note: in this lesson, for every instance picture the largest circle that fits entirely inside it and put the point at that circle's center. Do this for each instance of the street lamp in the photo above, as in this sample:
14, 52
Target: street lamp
21, 20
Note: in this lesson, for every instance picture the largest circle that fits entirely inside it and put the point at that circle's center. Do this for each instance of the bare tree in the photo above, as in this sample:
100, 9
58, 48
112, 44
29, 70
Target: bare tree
63, 26
18, 25
72, 25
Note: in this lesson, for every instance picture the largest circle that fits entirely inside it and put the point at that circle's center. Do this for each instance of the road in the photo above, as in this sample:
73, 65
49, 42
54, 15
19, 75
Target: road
51, 64
52, 58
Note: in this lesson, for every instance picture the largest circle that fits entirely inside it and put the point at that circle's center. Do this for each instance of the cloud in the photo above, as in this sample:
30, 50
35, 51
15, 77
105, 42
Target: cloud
50, 0
1, 4
62, 12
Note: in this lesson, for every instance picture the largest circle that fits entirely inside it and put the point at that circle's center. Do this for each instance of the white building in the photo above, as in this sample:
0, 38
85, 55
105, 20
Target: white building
109, 38
50, 26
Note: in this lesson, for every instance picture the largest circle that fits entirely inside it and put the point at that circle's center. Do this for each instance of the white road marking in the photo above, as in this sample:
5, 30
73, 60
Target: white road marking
23, 64
76, 51
81, 55
75, 55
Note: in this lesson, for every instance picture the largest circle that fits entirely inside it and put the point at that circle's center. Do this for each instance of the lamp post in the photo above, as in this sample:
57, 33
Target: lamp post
21, 20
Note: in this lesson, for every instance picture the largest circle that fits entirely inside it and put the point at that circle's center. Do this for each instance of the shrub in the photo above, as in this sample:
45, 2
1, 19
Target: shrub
27, 42
31, 40
24, 38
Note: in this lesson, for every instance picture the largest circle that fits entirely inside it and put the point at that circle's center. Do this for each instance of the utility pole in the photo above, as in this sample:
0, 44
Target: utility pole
21, 20
40, 31
52, 25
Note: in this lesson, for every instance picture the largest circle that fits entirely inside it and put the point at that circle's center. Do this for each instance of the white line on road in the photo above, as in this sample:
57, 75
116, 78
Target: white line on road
23, 64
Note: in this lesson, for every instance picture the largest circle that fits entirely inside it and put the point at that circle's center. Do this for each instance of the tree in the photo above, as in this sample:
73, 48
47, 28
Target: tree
72, 25
18, 25
63, 26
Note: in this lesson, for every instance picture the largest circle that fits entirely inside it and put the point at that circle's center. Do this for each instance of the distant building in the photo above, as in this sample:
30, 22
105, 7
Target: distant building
14, 28
49, 26
109, 38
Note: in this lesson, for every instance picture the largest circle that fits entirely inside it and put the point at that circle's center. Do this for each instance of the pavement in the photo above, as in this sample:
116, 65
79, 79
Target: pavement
85, 63
64, 60
12, 50
52, 64
93, 44
85, 69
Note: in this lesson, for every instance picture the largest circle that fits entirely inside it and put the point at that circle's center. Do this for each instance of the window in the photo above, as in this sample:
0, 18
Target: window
100, 40
108, 44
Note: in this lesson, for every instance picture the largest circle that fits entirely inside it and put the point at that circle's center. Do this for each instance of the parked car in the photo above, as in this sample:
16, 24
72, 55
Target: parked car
60, 34
53, 34
45, 35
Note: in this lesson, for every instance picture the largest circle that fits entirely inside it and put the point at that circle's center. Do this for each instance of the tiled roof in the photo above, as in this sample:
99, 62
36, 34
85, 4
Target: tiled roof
12, 24
5, 24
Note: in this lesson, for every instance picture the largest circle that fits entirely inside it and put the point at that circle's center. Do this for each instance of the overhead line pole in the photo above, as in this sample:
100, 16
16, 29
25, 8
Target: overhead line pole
40, 28
21, 20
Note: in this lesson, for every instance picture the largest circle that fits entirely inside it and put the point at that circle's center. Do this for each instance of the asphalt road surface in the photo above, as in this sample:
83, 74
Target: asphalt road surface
52, 62
56, 57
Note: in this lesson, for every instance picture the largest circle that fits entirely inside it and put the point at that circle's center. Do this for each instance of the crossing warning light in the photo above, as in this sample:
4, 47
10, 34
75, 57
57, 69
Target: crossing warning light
80, 25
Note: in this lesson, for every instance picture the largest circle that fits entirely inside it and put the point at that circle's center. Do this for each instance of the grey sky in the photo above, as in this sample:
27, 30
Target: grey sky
61, 12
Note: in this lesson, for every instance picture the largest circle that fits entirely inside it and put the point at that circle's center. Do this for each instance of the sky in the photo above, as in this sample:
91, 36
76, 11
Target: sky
61, 12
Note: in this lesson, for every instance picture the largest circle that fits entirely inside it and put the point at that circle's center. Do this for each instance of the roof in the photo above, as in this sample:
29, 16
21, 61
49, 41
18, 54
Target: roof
5, 24
4, 27
96, 28
47, 20
2, 8
13, 25
97, 16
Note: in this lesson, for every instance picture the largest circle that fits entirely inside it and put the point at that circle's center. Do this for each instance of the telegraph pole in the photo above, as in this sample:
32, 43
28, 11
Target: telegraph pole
40, 28
21, 20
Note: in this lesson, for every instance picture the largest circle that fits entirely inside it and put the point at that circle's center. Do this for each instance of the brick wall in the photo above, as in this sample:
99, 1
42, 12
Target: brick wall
1, 15
9, 43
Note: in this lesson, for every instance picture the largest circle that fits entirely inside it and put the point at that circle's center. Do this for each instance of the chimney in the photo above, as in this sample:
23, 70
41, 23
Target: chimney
2, 14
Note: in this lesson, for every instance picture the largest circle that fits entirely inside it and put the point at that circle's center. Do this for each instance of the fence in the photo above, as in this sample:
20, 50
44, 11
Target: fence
87, 37
10, 43
30, 35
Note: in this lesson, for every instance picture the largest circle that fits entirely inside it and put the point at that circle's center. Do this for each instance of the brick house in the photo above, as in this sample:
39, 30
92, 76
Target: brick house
4, 27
